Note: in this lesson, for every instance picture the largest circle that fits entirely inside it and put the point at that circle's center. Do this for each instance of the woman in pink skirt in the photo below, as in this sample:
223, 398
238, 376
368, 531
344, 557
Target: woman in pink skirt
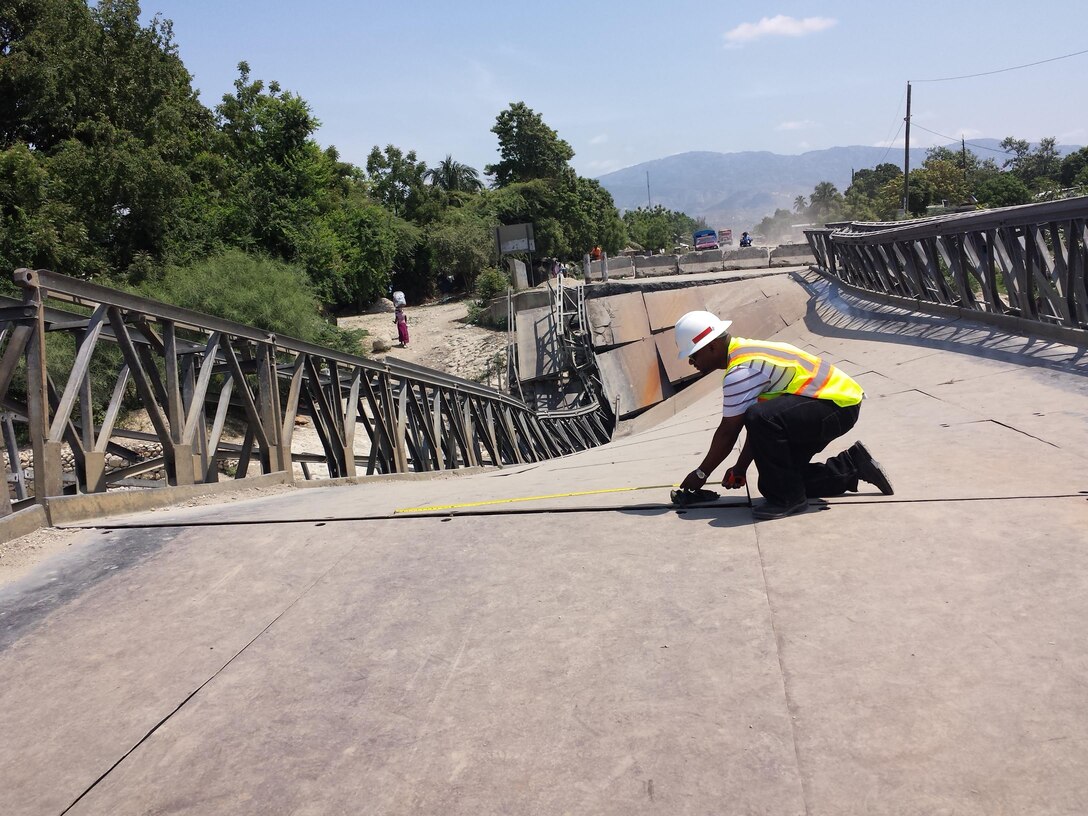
401, 319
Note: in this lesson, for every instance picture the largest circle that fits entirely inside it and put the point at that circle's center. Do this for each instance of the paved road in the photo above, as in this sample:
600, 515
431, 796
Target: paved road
318, 652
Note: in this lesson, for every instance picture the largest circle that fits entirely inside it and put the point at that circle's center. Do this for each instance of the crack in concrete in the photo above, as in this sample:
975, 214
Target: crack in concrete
786, 696
197, 690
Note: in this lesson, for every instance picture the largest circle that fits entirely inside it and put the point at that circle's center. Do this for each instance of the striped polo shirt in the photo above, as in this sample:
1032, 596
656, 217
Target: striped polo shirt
743, 384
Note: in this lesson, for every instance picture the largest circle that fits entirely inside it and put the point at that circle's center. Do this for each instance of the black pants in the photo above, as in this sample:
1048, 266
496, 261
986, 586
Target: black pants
785, 433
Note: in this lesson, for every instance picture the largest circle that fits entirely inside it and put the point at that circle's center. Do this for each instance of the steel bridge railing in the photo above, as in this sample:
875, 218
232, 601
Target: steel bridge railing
1025, 264
196, 375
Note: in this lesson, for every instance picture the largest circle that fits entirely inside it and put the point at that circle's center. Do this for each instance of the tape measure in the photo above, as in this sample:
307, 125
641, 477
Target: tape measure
432, 508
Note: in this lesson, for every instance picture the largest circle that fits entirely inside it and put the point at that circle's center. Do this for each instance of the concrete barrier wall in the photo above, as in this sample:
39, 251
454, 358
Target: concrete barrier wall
621, 267
791, 255
529, 299
655, 266
709, 260
745, 258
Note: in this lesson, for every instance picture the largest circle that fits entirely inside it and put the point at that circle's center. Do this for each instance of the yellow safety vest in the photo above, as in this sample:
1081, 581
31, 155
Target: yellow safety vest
812, 376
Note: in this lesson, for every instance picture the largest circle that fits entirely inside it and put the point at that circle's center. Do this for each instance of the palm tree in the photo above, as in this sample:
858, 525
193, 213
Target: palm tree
824, 194
453, 176
799, 204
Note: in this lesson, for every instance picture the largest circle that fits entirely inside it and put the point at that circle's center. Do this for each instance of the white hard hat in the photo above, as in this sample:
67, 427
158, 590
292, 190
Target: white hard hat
696, 329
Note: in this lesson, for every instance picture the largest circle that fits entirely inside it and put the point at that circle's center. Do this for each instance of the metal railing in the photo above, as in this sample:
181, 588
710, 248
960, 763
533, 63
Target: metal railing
1027, 263
197, 375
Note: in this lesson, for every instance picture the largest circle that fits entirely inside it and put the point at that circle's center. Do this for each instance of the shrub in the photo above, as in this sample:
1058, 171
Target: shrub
491, 283
254, 290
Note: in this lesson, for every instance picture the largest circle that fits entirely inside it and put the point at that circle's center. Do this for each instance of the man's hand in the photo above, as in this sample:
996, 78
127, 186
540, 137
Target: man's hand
692, 481
734, 478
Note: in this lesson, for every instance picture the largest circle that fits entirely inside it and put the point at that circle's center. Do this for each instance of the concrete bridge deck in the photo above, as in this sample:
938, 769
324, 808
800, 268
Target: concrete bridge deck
317, 652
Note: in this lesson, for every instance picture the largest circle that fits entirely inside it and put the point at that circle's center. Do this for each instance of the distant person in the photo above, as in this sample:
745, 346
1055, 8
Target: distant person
745, 239
595, 254
792, 404
401, 319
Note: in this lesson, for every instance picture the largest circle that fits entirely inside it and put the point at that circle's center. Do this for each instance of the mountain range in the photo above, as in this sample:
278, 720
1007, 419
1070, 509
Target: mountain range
737, 190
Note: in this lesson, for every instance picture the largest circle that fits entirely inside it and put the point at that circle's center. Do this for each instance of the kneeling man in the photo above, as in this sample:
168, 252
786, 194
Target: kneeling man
792, 404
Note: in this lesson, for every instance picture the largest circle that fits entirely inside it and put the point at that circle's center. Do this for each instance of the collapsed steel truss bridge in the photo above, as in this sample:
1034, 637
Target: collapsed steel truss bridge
197, 376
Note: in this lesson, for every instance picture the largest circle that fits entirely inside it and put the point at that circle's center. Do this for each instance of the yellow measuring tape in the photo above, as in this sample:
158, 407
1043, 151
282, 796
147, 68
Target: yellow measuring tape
434, 507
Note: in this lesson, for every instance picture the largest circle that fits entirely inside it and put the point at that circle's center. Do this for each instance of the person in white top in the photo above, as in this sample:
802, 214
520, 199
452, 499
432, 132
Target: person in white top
791, 403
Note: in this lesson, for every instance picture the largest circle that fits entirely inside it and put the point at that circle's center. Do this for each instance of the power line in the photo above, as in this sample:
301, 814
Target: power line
1003, 70
897, 107
953, 138
888, 149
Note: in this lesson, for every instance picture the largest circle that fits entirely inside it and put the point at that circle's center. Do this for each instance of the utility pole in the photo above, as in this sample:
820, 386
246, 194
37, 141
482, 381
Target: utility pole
649, 201
963, 153
906, 159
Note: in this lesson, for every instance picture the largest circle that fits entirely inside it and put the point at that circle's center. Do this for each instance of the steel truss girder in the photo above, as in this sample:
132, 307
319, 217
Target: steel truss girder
1026, 262
197, 375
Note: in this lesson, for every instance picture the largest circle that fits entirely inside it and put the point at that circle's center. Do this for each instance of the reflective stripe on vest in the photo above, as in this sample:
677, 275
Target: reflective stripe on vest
812, 376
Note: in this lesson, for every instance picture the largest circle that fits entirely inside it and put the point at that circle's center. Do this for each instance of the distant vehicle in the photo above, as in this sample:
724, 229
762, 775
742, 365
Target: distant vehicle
725, 237
705, 239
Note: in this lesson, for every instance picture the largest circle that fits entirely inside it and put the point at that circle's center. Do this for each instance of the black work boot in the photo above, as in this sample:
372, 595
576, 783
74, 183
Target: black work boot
770, 510
869, 470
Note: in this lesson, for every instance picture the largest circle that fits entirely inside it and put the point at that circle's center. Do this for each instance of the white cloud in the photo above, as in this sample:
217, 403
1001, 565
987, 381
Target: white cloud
777, 26
600, 138
803, 124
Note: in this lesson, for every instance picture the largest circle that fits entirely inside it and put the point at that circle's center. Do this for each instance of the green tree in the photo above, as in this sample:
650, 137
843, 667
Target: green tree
125, 193
944, 179
396, 178
369, 238
826, 202
1045, 160
658, 227
800, 204
453, 176
921, 193
36, 231
1073, 167
589, 217
1003, 190
277, 169
1036, 168
44, 89
462, 244
777, 226
528, 148
865, 199
867, 182
889, 199
107, 109
649, 228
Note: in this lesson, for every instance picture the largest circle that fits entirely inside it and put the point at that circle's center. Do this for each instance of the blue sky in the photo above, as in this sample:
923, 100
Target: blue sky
626, 82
